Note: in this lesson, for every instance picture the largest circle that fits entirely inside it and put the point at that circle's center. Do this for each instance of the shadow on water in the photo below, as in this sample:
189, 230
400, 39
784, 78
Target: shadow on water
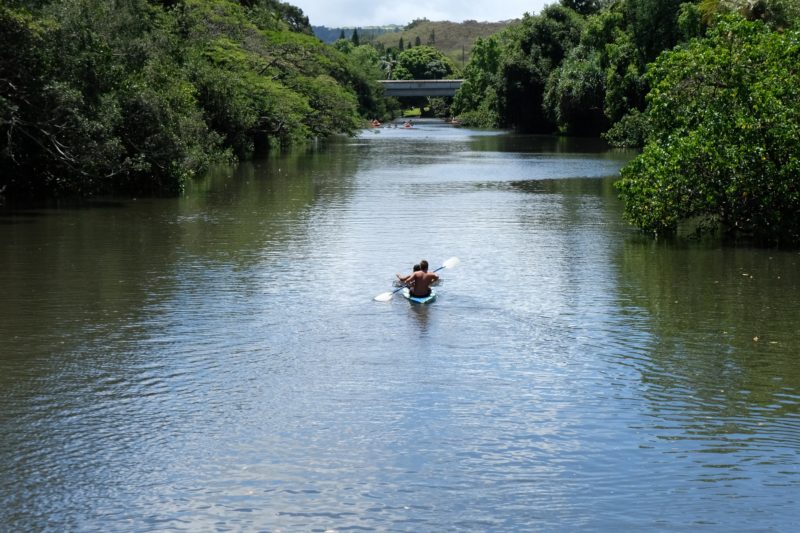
724, 337
421, 315
25, 214
87, 268
547, 144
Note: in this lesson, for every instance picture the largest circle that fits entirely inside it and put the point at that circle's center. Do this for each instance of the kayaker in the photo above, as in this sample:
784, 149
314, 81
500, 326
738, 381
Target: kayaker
420, 281
405, 279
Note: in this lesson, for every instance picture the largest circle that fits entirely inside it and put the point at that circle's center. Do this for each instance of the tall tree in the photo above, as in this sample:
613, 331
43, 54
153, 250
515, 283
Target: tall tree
533, 49
423, 63
654, 24
724, 142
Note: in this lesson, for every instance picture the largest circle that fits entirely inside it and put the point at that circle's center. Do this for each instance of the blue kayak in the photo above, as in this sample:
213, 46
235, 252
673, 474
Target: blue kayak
414, 299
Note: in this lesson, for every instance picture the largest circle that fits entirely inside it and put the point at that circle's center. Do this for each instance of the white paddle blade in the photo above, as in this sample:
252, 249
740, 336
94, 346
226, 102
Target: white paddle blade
452, 262
384, 297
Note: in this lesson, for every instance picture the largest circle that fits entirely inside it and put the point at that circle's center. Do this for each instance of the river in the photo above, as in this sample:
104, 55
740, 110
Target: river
216, 362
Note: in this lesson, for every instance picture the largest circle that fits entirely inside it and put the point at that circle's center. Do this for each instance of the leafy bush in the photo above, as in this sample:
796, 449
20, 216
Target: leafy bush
723, 148
630, 132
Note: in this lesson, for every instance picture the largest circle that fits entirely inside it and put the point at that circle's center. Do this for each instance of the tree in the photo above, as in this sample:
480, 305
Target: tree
723, 149
575, 93
584, 7
354, 37
423, 63
136, 97
400, 46
654, 24
626, 84
417, 41
342, 36
533, 49
475, 101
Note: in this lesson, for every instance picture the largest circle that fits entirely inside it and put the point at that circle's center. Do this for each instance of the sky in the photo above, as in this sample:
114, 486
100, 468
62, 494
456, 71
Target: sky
359, 13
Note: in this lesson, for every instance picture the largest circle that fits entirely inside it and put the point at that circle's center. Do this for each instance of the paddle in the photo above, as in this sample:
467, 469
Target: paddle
386, 296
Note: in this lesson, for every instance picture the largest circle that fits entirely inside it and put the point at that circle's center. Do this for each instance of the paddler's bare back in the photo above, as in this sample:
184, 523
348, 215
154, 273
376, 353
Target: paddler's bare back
421, 282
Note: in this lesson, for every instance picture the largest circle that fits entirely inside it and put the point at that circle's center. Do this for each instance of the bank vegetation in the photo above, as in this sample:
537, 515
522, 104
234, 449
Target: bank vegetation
708, 88
135, 97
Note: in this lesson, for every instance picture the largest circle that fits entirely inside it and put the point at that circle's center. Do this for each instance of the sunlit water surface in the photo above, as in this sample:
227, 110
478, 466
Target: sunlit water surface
216, 362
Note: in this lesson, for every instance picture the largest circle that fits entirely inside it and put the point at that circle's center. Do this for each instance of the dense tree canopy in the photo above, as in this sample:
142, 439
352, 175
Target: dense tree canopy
724, 147
423, 63
137, 96
721, 123
534, 49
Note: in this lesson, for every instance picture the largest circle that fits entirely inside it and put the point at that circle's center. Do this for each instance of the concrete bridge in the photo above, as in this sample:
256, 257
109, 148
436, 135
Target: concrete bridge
400, 88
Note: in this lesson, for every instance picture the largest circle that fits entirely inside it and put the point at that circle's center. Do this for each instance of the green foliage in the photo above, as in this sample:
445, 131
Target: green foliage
631, 131
95, 107
723, 150
626, 84
653, 24
484, 116
137, 96
690, 21
475, 102
423, 63
364, 69
584, 7
439, 107
532, 50
574, 94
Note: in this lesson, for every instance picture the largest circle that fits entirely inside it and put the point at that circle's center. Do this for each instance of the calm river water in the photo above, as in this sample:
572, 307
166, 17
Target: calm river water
217, 363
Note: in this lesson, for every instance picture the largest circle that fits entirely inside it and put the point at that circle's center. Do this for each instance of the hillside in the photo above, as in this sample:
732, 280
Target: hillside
454, 39
366, 34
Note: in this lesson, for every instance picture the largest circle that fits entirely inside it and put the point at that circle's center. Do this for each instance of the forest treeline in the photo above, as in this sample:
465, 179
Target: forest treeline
137, 96
710, 89
580, 66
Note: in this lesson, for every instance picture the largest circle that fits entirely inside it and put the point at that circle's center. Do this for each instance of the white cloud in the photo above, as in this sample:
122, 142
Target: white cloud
349, 13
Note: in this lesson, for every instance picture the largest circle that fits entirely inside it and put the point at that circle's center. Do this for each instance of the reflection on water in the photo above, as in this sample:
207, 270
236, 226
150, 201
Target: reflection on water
217, 361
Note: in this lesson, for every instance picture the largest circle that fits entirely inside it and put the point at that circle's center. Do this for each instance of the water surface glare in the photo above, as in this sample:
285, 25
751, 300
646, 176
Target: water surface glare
216, 362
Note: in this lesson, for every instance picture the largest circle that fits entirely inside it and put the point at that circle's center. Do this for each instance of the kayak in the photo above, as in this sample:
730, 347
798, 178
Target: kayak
414, 299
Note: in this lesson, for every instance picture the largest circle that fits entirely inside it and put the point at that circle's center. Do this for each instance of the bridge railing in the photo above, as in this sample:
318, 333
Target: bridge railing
401, 88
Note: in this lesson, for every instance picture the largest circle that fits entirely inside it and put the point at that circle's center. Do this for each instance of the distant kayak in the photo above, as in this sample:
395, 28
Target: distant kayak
414, 299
